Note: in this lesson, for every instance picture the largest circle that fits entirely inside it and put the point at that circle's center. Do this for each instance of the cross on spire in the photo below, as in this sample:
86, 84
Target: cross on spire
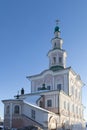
57, 22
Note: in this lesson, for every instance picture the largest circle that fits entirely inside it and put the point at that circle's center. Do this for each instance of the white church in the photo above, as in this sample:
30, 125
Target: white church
55, 101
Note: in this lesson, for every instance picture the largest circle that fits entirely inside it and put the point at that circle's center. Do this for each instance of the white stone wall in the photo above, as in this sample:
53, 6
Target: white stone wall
41, 116
57, 54
38, 114
51, 79
69, 114
75, 87
38, 83
54, 97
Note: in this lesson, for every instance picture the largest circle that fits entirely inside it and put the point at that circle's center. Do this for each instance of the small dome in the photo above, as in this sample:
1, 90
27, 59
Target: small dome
57, 29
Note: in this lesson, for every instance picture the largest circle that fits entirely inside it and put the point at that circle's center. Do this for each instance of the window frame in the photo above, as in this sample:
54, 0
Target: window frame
59, 86
48, 87
60, 60
8, 109
54, 59
55, 45
49, 103
16, 109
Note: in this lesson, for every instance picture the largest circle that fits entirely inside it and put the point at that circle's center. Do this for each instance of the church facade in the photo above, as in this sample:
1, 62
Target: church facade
55, 101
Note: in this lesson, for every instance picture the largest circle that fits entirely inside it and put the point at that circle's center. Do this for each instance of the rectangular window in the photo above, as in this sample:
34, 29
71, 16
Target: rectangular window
59, 87
16, 109
60, 59
54, 60
32, 114
49, 103
48, 87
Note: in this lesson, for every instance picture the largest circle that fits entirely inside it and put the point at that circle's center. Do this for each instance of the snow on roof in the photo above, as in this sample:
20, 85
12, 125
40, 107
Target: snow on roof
32, 99
39, 108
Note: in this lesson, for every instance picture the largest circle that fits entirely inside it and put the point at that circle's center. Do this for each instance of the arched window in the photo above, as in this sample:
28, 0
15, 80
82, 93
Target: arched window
55, 45
41, 104
16, 109
54, 60
8, 109
60, 59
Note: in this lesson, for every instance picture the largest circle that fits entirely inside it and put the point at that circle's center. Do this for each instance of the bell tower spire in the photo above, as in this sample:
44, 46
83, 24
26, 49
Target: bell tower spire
57, 29
57, 56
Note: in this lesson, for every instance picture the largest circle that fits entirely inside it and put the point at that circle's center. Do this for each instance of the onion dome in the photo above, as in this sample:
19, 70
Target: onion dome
57, 29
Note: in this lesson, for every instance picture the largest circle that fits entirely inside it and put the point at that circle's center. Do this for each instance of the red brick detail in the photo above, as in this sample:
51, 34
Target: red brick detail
17, 123
22, 121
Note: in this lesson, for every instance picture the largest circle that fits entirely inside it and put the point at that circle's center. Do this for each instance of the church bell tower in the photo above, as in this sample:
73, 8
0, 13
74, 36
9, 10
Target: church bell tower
57, 56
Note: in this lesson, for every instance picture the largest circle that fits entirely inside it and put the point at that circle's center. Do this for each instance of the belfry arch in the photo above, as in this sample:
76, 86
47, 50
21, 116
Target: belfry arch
52, 123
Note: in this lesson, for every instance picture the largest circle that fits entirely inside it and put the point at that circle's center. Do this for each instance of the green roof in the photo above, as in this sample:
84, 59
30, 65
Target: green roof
56, 68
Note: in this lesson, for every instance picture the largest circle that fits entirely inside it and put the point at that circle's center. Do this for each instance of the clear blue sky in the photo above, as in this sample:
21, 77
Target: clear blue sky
26, 30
